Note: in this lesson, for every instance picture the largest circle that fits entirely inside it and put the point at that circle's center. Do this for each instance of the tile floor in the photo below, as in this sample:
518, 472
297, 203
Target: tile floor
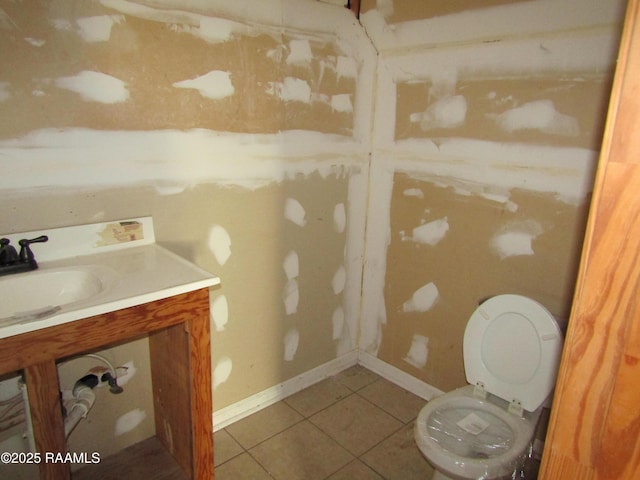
353, 426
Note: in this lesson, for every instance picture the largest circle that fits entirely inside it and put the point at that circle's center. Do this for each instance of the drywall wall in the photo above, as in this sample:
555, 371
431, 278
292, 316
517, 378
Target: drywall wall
262, 135
244, 130
486, 133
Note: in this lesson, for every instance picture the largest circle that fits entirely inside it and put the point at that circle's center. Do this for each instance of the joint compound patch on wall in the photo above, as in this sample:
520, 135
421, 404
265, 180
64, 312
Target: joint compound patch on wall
295, 212
337, 320
95, 87
341, 103
220, 244
430, 233
339, 280
413, 192
423, 299
291, 340
291, 265
516, 239
214, 85
291, 296
36, 42
538, 115
299, 53
97, 28
220, 312
211, 30
447, 112
129, 421
418, 352
501, 198
222, 371
339, 218
291, 89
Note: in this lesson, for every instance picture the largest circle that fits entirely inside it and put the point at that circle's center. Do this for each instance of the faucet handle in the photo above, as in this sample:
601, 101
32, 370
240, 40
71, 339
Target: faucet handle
25, 252
40, 239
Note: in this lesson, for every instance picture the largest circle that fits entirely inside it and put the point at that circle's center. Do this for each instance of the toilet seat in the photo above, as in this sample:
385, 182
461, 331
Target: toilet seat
512, 347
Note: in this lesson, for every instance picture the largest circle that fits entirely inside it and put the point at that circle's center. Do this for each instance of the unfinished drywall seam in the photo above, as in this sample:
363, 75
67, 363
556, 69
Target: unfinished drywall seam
121, 157
377, 240
534, 56
357, 205
377, 231
485, 25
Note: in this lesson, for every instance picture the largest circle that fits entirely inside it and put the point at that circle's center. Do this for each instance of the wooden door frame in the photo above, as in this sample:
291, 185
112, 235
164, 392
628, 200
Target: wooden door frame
594, 431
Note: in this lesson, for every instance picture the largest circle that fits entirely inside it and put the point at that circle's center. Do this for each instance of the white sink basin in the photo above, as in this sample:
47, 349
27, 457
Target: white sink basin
90, 270
40, 293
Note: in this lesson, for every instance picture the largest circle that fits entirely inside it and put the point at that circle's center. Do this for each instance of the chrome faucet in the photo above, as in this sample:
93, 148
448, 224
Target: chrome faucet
13, 262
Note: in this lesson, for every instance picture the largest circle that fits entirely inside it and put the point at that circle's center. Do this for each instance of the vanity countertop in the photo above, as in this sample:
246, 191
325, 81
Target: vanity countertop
130, 273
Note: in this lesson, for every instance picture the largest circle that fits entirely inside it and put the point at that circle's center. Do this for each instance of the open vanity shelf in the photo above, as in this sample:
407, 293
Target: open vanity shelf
178, 328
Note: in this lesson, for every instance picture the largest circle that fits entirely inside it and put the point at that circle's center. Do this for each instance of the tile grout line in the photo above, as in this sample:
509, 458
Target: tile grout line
403, 425
307, 417
304, 418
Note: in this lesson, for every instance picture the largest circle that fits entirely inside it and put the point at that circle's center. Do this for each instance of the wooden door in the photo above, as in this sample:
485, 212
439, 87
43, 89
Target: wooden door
594, 432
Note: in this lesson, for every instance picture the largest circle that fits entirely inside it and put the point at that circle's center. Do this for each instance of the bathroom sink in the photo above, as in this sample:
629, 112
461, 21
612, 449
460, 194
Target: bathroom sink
93, 269
38, 294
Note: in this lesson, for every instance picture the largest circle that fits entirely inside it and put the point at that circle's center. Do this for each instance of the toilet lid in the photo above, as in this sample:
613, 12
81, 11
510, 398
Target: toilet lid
512, 344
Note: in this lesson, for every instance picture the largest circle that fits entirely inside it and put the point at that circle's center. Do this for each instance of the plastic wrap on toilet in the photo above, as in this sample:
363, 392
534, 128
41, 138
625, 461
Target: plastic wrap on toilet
471, 435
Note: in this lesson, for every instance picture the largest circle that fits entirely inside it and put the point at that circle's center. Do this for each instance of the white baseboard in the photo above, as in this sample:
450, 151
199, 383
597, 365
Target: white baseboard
397, 376
226, 416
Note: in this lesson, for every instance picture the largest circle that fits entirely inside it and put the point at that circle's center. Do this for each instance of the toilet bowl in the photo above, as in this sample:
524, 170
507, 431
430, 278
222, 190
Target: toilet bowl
466, 437
484, 430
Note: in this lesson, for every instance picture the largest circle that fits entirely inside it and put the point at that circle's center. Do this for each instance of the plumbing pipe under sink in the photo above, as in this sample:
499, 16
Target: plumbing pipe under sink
84, 398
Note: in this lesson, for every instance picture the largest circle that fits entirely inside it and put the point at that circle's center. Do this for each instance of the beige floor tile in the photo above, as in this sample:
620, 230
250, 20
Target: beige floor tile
398, 457
318, 397
356, 424
356, 377
302, 452
264, 424
376, 423
224, 447
242, 467
394, 400
356, 470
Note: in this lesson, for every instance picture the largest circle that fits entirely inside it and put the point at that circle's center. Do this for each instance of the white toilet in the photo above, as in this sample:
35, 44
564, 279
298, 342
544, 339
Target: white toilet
512, 348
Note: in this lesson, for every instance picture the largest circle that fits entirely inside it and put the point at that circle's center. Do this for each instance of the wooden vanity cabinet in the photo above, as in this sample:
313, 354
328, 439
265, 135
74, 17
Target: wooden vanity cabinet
178, 329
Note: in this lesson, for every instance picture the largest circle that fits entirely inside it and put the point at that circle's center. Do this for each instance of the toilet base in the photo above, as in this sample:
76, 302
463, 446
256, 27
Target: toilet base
439, 476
